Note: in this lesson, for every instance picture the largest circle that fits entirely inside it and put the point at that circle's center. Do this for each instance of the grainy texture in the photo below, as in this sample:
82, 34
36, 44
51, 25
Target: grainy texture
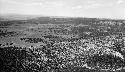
47, 44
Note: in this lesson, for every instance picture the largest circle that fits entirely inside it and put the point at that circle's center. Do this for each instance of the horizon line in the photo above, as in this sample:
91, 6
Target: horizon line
54, 16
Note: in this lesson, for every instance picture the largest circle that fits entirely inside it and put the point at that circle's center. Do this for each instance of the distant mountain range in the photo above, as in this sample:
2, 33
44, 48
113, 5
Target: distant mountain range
11, 17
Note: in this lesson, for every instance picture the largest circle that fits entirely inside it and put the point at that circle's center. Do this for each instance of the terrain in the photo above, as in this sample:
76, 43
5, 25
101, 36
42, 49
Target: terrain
62, 44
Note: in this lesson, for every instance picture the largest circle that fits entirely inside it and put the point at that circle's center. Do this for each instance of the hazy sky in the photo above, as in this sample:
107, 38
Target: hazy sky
83, 8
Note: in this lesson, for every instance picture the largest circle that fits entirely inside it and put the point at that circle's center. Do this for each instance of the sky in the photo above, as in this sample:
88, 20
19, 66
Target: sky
75, 8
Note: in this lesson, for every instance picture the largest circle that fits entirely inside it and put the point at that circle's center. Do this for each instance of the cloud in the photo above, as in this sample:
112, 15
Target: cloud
26, 2
77, 7
92, 4
120, 1
95, 5
88, 4
91, 1
55, 3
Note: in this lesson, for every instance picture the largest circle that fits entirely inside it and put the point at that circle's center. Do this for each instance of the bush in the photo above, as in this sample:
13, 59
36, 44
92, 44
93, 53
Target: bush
106, 61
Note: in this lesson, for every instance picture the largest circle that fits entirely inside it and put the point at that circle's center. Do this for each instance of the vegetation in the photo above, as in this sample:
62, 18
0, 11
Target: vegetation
48, 44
